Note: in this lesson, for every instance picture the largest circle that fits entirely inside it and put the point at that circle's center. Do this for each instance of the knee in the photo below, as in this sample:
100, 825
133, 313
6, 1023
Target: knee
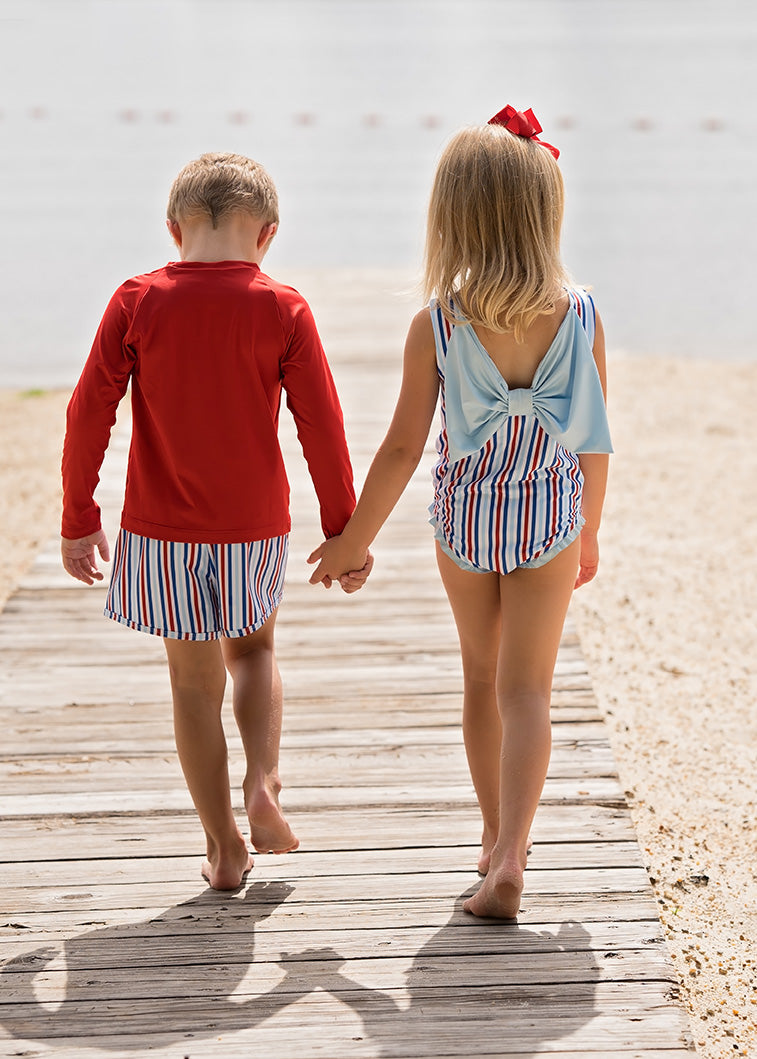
200, 680
248, 654
197, 673
479, 668
515, 698
480, 680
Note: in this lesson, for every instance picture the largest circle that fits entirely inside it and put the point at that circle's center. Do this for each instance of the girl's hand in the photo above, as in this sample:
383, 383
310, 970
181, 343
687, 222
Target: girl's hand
355, 579
79, 558
589, 561
337, 558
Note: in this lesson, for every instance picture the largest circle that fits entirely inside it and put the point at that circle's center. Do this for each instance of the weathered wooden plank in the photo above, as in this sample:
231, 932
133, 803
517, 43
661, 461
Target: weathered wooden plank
110, 975
254, 1043
315, 863
355, 765
304, 639
369, 786
434, 1021
120, 889
295, 647
191, 927
93, 684
565, 693
173, 834
377, 746
602, 790
78, 735
30, 723
368, 642
267, 904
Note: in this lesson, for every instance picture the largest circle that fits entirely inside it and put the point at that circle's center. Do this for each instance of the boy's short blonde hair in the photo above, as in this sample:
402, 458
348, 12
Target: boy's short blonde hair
493, 236
215, 185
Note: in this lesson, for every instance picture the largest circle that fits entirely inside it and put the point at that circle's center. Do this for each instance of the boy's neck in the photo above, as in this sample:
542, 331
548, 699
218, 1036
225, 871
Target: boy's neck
238, 237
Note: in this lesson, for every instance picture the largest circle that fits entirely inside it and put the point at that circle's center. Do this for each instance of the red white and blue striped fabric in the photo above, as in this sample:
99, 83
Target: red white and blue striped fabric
518, 497
195, 591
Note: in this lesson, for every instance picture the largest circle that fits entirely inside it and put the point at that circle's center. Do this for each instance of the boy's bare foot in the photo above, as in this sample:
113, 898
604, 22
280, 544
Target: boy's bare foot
499, 896
269, 830
227, 870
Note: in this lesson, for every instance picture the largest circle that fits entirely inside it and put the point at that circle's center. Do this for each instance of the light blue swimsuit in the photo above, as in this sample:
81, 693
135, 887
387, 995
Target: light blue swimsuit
508, 483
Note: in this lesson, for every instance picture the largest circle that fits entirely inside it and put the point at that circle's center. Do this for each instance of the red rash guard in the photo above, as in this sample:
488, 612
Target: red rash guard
208, 348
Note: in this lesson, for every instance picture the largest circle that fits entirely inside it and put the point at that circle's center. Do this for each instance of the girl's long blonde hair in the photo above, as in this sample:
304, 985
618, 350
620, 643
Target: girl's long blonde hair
493, 236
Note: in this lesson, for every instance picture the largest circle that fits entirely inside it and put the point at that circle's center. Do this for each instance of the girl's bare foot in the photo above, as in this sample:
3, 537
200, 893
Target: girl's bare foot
226, 870
484, 860
269, 830
486, 855
499, 896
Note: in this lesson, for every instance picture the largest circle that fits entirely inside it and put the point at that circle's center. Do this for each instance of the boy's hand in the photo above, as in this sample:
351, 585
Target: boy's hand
79, 558
355, 579
336, 559
589, 561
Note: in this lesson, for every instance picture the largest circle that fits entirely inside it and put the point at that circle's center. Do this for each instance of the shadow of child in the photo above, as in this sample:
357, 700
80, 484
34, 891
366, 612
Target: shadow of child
480, 987
172, 975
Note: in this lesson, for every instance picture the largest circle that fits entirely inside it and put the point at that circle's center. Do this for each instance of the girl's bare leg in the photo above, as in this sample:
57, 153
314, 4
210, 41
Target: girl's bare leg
198, 679
251, 661
534, 604
474, 599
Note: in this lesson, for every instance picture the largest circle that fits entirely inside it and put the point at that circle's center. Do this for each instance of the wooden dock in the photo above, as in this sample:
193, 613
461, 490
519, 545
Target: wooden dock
355, 945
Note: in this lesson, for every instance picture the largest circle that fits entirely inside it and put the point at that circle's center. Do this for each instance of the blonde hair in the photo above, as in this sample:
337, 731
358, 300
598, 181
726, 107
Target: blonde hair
215, 185
493, 235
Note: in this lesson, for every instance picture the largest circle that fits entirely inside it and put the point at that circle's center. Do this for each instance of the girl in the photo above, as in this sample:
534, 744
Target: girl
518, 356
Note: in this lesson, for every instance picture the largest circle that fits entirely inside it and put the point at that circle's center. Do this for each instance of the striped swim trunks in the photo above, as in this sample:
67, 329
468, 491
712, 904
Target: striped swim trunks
195, 591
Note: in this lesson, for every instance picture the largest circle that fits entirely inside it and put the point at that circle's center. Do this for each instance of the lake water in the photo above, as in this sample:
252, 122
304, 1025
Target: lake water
348, 103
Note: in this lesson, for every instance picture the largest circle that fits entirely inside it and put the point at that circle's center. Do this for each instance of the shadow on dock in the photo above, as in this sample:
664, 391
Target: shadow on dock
193, 974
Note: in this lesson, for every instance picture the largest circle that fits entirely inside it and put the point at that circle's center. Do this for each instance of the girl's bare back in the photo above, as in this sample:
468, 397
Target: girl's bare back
517, 361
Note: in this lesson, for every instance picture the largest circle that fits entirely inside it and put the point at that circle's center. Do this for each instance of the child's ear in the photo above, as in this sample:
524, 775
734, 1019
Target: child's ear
267, 233
174, 231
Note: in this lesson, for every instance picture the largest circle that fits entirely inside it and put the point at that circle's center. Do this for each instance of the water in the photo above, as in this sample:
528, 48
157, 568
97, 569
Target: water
348, 103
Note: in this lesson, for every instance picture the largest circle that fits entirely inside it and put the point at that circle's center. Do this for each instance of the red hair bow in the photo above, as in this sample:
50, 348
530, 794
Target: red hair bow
522, 123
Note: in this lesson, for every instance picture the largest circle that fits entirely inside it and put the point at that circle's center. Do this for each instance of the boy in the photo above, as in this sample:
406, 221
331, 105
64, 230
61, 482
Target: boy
207, 344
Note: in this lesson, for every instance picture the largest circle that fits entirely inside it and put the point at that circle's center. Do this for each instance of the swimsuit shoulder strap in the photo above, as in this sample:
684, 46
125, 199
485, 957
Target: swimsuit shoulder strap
583, 303
442, 333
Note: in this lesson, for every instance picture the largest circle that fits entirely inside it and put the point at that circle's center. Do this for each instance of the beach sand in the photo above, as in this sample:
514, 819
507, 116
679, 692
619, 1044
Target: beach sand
31, 432
668, 629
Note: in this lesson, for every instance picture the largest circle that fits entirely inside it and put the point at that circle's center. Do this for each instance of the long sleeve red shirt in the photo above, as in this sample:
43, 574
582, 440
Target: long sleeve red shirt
208, 348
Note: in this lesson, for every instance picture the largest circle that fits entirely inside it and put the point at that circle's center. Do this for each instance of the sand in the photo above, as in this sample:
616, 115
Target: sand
31, 430
668, 629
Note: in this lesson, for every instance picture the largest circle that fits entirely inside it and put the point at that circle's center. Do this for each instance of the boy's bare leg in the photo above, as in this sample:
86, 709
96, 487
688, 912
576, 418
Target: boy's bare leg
198, 678
534, 604
251, 661
474, 599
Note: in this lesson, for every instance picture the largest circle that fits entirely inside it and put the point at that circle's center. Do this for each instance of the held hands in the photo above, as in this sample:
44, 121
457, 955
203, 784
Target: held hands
79, 558
338, 561
589, 560
355, 579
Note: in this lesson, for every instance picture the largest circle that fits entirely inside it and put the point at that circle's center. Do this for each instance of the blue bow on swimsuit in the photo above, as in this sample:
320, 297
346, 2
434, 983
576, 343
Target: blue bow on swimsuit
565, 395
